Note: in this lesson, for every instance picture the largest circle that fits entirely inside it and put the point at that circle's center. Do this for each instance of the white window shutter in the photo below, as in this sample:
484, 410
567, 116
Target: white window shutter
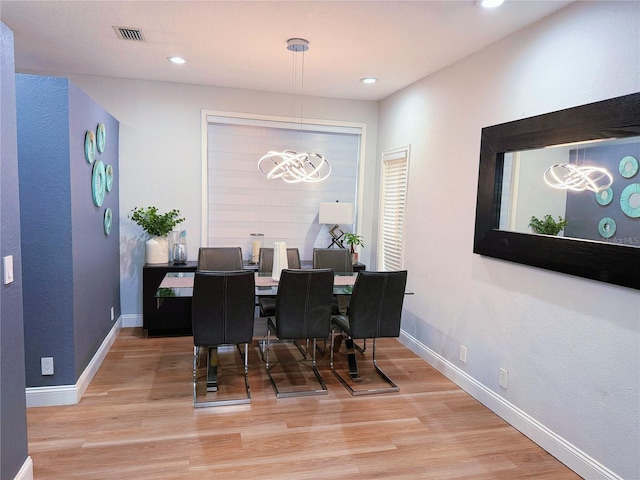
393, 203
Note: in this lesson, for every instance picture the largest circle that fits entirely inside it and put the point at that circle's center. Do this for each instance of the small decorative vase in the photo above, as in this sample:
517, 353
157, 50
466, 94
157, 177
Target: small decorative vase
179, 253
280, 261
354, 257
156, 250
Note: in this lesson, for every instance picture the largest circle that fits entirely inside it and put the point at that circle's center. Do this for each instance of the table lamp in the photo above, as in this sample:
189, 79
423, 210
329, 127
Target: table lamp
336, 214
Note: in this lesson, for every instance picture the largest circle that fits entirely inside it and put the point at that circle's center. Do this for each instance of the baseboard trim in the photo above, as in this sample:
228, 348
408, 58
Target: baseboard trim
131, 320
26, 471
564, 451
71, 394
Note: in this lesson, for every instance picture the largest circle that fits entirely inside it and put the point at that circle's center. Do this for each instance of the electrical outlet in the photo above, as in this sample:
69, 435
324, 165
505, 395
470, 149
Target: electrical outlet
504, 376
46, 365
463, 354
113, 314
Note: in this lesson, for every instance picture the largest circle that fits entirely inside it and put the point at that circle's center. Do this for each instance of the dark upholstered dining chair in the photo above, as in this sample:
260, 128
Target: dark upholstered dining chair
337, 258
220, 258
340, 260
375, 311
303, 311
265, 265
222, 313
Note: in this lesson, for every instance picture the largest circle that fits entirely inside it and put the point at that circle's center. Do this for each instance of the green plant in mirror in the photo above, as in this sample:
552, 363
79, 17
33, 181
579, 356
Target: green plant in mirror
154, 223
547, 226
353, 240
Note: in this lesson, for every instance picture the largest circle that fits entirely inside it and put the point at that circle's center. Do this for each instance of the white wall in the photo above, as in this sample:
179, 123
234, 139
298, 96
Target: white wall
571, 345
161, 153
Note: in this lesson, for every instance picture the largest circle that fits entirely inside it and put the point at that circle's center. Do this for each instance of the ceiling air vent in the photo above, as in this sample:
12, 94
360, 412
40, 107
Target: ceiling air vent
126, 33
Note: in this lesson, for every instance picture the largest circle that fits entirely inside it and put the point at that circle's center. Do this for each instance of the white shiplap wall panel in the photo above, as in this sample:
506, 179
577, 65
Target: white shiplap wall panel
241, 200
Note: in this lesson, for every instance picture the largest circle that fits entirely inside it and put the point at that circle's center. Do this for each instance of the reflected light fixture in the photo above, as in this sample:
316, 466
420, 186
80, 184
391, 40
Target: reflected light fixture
289, 165
571, 177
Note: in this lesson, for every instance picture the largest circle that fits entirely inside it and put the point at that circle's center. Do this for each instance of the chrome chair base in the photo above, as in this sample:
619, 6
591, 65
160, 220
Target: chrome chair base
354, 372
323, 390
212, 379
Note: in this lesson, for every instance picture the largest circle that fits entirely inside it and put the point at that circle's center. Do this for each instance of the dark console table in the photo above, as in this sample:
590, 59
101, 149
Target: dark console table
173, 316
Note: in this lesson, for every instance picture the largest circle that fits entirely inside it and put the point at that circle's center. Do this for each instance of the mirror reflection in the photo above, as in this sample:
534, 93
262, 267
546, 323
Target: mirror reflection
587, 190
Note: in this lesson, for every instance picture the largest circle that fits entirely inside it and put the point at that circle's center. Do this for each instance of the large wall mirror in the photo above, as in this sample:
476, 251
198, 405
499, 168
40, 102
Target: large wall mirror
581, 167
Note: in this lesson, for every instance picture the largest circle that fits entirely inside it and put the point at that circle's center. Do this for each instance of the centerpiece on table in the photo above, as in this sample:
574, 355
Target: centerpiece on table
158, 226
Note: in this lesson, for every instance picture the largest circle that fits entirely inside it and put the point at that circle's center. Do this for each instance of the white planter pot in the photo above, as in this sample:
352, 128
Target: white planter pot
156, 250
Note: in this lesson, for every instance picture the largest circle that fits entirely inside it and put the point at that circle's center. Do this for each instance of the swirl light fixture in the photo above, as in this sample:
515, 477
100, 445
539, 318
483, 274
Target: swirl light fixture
295, 167
571, 177
289, 165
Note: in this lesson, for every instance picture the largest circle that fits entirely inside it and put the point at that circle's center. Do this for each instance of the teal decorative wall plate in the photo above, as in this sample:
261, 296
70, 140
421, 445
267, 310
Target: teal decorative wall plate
101, 135
630, 200
90, 146
98, 183
107, 221
605, 197
628, 166
109, 172
607, 227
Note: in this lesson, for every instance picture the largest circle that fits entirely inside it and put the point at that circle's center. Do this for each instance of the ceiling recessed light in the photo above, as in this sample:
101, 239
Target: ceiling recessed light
490, 3
369, 80
178, 60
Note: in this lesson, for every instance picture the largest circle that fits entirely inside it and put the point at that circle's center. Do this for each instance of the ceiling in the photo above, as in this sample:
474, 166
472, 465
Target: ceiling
242, 44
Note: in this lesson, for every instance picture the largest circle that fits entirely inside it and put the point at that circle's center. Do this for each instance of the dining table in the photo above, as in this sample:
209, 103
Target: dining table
180, 285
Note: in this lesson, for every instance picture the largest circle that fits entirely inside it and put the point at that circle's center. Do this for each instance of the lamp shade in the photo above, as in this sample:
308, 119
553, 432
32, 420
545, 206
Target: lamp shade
335, 213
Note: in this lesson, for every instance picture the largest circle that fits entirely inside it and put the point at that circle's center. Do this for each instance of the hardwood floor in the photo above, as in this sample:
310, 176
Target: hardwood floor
137, 421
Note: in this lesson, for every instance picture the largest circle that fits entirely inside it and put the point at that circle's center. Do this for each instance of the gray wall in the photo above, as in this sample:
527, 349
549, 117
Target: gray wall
13, 421
70, 267
560, 337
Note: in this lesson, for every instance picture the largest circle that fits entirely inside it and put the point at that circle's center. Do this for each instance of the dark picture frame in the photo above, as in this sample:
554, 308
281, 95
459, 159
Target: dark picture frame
606, 262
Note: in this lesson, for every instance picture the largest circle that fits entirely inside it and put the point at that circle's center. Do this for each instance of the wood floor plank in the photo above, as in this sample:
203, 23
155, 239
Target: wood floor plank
137, 421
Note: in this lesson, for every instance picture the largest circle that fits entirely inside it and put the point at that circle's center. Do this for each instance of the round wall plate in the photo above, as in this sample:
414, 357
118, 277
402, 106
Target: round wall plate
107, 221
605, 197
630, 200
109, 173
607, 227
98, 183
90, 146
628, 166
101, 137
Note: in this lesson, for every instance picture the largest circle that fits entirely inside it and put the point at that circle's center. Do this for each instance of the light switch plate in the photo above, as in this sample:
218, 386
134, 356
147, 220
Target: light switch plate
7, 269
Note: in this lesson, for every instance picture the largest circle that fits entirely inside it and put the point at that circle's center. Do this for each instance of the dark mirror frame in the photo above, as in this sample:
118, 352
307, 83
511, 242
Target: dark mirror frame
606, 262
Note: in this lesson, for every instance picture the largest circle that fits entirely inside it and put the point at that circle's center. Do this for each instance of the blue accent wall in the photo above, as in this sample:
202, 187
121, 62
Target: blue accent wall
70, 266
13, 417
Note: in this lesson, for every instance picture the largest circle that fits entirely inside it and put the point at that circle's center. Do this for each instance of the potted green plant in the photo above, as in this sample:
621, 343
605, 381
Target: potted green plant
547, 226
158, 226
354, 240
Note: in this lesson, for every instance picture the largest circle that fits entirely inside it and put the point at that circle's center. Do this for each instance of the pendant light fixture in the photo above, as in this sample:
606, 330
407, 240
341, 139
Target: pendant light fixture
569, 176
289, 165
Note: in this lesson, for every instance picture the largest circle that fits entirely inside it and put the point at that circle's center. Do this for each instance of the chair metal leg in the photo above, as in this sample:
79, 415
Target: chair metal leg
294, 393
212, 369
367, 391
222, 401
